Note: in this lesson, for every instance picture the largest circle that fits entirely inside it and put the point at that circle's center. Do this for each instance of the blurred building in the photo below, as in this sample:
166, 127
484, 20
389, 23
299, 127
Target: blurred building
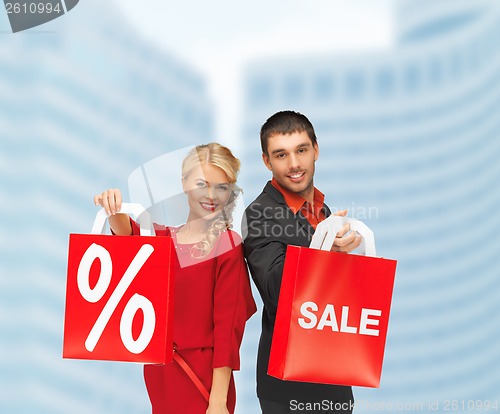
409, 142
83, 102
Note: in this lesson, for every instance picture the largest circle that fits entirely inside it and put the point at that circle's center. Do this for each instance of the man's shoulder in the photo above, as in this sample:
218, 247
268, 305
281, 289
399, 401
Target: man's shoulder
269, 197
262, 201
268, 206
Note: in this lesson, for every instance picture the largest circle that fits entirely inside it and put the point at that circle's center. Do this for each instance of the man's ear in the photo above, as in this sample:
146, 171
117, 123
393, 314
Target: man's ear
267, 162
316, 151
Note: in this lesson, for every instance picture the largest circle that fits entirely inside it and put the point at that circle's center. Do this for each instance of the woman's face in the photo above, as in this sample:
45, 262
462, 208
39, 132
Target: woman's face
208, 190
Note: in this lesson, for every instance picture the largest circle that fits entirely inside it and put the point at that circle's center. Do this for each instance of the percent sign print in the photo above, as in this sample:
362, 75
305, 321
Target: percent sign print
135, 303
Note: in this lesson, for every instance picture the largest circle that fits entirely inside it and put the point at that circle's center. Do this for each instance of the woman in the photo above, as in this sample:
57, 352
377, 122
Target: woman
213, 299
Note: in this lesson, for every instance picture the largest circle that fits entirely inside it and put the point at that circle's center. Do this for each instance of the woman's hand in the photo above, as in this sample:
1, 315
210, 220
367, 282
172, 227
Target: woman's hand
218, 394
110, 199
217, 408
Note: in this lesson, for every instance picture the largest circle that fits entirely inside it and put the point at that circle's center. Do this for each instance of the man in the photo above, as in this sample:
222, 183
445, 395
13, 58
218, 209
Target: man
287, 212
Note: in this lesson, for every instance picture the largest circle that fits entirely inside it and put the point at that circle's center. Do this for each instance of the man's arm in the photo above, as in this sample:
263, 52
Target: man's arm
266, 240
264, 252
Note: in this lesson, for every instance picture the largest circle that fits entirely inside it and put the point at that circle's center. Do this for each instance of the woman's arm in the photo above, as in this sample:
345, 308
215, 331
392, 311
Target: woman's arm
217, 403
111, 200
233, 305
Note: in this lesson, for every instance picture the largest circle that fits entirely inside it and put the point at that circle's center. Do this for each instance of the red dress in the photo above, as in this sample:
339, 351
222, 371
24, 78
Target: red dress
213, 300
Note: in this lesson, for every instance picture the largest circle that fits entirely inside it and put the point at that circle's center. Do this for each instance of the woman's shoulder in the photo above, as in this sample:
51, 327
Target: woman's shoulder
162, 230
227, 240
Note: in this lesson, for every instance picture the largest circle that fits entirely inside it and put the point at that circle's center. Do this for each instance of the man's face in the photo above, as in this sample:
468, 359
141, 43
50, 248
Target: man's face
291, 160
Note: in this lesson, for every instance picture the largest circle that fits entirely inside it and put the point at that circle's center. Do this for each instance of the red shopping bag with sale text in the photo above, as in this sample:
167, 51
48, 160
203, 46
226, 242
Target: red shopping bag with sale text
333, 311
119, 295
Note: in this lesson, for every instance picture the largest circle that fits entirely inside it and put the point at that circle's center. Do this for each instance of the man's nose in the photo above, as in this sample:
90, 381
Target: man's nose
294, 161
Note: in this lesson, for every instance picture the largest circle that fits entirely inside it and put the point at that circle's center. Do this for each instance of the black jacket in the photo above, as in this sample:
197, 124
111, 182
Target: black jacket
268, 227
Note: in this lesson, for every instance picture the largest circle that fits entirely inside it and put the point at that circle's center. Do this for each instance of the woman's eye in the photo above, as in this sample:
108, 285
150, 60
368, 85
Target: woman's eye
222, 188
201, 185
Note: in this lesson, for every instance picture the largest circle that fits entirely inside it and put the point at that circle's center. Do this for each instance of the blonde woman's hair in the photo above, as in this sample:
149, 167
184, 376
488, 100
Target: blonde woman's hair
219, 156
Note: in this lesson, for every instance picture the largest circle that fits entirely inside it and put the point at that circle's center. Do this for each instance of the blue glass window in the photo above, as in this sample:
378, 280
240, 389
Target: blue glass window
323, 87
456, 64
293, 89
473, 56
412, 77
384, 82
260, 91
355, 85
435, 71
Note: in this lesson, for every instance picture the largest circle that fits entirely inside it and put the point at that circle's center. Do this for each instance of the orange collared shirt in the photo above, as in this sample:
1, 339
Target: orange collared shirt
295, 202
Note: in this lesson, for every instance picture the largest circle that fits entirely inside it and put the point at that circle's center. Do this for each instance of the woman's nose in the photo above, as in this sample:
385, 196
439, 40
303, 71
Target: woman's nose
211, 194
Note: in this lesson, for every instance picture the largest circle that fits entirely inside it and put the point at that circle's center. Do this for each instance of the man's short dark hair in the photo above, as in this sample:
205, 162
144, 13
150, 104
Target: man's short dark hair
285, 122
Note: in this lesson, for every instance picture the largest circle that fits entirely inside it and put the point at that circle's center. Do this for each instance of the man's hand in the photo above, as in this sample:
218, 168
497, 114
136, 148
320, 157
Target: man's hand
345, 243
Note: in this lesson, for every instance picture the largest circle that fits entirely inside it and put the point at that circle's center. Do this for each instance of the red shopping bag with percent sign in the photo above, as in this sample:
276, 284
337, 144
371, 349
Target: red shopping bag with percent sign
333, 311
119, 294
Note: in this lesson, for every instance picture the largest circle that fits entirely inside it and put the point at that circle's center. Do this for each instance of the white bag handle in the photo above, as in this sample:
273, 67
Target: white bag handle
133, 209
325, 233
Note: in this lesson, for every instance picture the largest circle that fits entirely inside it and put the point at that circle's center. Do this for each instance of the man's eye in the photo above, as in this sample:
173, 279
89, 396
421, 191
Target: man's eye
280, 156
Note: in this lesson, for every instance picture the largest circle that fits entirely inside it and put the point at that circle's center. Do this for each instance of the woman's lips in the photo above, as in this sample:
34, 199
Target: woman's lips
208, 206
